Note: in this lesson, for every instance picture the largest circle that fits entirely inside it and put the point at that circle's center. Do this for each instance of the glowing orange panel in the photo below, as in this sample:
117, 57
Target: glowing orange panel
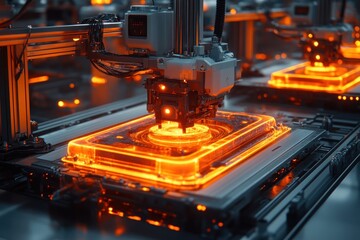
140, 150
334, 78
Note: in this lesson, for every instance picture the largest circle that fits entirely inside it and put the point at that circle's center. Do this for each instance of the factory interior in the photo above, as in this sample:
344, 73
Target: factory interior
179, 119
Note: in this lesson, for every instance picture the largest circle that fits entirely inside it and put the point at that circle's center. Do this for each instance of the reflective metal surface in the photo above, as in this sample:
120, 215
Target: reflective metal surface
339, 216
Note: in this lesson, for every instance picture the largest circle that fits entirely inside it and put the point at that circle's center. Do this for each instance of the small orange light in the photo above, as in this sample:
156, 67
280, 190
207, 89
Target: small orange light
233, 11
317, 57
38, 79
344, 98
98, 80
357, 98
173, 227
136, 218
339, 97
357, 43
316, 43
308, 49
77, 101
145, 189
71, 85
153, 222
110, 209
283, 55
162, 87
167, 111
310, 35
61, 104
351, 98
357, 35
357, 28
220, 224
201, 208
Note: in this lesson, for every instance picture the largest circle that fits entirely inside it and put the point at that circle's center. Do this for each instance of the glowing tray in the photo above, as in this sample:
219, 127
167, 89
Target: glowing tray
334, 79
139, 150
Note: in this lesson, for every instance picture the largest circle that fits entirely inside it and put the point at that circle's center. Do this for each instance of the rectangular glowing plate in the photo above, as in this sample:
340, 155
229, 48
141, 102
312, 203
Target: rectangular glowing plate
139, 150
333, 79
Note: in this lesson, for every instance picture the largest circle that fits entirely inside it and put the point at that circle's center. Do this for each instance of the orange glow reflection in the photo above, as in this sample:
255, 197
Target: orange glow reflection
333, 78
215, 146
38, 79
98, 80
100, 2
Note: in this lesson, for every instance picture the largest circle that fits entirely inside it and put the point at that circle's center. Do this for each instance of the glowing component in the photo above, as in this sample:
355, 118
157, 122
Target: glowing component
136, 218
357, 98
38, 79
98, 80
153, 222
316, 43
173, 227
317, 57
310, 35
170, 157
76, 39
344, 98
357, 43
61, 103
170, 135
339, 97
77, 101
100, 2
162, 87
351, 98
233, 11
167, 111
71, 85
201, 208
333, 78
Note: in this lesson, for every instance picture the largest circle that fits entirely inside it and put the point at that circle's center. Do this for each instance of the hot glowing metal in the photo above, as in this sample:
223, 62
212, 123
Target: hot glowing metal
334, 78
139, 150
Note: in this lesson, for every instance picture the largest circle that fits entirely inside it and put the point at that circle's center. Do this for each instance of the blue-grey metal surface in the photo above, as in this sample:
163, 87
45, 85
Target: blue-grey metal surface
339, 216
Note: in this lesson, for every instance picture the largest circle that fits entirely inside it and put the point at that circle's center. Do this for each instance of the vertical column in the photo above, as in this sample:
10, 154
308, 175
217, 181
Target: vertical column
14, 94
188, 25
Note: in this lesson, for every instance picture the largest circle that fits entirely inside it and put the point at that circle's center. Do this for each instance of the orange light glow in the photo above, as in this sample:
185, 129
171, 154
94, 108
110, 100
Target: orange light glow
173, 227
220, 224
77, 101
205, 7
167, 111
339, 97
135, 218
344, 98
310, 35
233, 11
333, 78
162, 87
316, 43
317, 57
153, 222
76, 39
71, 85
261, 56
201, 208
98, 80
357, 28
100, 2
357, 43
182, 162
38, 79
61, 103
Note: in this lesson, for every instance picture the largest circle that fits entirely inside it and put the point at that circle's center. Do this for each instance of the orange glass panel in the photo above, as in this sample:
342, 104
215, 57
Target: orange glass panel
140, 150
334, 78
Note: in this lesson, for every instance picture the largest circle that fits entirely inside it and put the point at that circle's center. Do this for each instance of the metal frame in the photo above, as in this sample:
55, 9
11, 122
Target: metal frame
39, 42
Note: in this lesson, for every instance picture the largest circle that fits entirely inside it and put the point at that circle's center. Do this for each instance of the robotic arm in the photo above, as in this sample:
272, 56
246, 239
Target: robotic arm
190, 76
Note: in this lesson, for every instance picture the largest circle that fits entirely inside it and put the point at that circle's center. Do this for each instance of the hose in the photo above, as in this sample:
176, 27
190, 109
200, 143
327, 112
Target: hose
219, 18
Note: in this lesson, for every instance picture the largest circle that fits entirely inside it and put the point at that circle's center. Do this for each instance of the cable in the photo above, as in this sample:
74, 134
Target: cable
342, 11
19, 61
96, 45
219, 18
6, 23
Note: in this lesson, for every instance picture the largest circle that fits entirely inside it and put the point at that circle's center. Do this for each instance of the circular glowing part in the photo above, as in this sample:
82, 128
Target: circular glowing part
171, 135
316, 43
167, 111
77, 101
61, 103
310, 35
162, 87
317, 57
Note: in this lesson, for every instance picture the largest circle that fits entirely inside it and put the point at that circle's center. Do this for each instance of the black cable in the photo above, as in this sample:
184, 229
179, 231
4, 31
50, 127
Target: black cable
342, 11
20, 61
219, 18
6, 23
